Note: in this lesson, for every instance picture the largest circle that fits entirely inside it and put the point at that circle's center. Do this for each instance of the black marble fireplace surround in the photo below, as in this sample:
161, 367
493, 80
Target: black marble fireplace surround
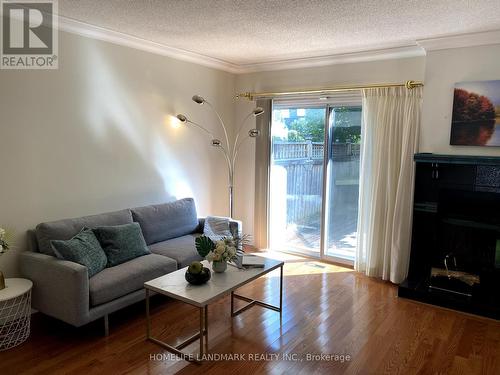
456, 217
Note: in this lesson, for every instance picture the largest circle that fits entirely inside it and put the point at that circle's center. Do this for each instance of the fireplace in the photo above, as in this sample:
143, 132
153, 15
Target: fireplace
455, 255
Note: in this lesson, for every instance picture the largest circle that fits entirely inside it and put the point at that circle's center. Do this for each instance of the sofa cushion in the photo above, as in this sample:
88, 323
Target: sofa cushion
182, 249
121, 243
115, 282
66, 229
84, 249
165, 221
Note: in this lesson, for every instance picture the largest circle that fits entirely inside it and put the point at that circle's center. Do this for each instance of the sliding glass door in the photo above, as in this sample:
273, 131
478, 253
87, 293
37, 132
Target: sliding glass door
311, 214
343, 181
296, 180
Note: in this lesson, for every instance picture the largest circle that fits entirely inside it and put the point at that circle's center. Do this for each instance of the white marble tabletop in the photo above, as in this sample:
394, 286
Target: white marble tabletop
175, 285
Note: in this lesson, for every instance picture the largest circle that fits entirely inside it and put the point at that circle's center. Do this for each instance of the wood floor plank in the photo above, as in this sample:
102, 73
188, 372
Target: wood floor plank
327, 310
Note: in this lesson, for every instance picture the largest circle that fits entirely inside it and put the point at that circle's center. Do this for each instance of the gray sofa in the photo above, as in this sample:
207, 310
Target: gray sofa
63, 290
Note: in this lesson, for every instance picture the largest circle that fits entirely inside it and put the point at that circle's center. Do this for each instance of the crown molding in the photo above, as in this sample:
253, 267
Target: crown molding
100, 33
460, 40
406, 50
95, 32
398, 52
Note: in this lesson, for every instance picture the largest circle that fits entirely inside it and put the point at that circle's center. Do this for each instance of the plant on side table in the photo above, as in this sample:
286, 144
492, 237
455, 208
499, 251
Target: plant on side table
5, 243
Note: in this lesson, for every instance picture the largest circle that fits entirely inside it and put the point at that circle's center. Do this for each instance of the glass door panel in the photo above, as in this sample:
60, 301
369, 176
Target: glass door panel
343, 181
296, 179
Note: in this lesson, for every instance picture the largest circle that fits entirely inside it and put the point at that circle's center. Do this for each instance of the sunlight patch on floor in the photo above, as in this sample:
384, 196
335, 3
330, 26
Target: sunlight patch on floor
296, 265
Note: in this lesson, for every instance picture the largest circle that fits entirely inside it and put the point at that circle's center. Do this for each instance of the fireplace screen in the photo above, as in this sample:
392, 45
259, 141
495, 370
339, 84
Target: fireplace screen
468, 243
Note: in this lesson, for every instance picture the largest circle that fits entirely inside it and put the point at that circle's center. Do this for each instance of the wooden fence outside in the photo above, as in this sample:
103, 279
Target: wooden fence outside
303, 163
283, 151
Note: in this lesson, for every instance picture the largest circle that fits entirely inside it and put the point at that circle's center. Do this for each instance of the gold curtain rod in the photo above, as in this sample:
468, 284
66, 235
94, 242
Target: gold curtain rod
253, 95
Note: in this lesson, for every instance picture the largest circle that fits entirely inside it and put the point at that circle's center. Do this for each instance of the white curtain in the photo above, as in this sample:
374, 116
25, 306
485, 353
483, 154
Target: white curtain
391, 120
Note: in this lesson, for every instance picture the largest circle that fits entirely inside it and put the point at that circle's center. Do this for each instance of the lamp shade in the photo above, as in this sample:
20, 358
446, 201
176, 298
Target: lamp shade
253, 133
198, 99
181, 118
258, 111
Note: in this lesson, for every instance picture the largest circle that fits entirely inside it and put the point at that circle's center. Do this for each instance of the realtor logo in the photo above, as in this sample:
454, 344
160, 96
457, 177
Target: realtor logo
29, 34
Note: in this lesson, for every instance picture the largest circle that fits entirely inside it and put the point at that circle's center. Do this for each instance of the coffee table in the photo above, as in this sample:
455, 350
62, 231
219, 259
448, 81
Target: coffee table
174, 285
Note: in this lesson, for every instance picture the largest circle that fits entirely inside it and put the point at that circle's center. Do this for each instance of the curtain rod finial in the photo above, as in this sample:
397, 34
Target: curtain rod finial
412, 84
245, 95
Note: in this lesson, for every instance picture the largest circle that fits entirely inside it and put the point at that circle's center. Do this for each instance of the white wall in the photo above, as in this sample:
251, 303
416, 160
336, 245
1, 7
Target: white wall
343, 74
443, 69
440, 70
91, 136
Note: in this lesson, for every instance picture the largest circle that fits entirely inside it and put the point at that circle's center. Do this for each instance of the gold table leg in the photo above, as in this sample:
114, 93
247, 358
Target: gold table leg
206, 328
252, 302
203, 332
202, 325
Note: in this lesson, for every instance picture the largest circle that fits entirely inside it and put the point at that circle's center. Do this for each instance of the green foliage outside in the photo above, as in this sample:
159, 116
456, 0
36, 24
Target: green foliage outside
311, 127
347, 128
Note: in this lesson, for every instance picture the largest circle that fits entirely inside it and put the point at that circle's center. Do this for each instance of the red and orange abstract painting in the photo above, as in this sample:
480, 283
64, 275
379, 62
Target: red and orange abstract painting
476, 114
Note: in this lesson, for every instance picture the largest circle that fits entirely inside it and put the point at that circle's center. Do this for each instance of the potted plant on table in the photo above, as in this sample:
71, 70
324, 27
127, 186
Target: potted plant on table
5, 241
218, 252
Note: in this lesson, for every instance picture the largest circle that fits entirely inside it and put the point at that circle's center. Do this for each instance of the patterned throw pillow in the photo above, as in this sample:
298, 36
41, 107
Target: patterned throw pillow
121, 243
216, 228
84, 248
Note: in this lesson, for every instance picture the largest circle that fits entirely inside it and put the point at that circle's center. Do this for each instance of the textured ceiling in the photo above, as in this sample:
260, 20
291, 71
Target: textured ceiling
252, 31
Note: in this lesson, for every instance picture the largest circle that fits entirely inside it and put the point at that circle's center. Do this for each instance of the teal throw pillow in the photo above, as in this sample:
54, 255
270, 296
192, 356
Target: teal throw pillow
121, 243
84, 248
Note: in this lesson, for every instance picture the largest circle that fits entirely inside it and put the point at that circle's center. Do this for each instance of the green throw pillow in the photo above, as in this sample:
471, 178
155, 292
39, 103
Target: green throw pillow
84, 248
121, 242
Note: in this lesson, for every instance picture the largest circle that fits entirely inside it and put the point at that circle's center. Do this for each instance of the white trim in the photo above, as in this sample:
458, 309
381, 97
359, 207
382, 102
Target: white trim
340, 58
100, 33
460, 41
95, 32
403, 50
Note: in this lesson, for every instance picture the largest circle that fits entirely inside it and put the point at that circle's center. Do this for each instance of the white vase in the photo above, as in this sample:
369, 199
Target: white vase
219, 267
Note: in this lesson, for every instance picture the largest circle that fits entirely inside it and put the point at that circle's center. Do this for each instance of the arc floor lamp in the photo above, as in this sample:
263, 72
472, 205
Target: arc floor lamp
230, 151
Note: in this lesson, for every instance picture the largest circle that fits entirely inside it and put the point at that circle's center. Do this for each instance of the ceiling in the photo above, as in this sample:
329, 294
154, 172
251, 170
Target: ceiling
258, 31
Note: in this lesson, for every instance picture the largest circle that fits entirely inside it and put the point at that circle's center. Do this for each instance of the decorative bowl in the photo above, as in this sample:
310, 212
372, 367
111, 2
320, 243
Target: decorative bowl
198, 278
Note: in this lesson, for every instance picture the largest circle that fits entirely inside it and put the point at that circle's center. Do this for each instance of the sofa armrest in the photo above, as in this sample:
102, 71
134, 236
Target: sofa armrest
60, 287
201, 224
235, 226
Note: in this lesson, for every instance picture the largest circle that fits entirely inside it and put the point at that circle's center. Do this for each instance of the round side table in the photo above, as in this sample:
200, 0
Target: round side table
15, 312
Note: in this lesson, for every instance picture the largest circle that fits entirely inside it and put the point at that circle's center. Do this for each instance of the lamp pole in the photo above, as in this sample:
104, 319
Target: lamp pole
230, 153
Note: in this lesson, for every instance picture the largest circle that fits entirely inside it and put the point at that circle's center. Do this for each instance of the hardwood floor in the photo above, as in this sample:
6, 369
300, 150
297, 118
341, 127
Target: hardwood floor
327, 310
